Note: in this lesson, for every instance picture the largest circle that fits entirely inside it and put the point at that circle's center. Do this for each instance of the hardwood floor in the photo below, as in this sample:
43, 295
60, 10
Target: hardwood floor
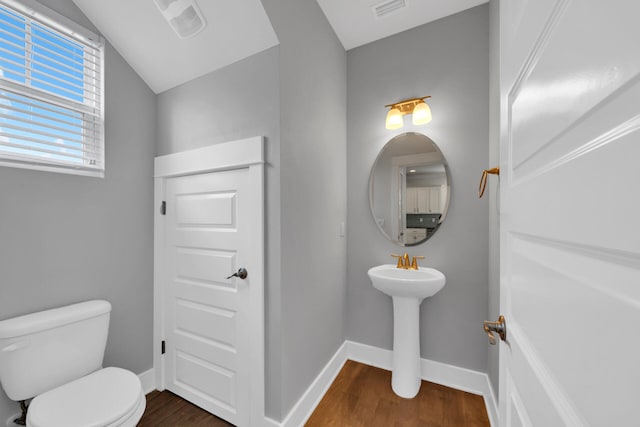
360, 396
165, 409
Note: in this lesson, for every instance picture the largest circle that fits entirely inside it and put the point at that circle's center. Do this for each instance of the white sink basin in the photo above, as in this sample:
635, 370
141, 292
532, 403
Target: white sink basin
407, 288
394, 281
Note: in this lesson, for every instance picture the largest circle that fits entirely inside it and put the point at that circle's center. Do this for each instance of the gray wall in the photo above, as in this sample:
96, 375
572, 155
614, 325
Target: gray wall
65, 238
493, 368
313, 69
236, 102
448, 59
295, 95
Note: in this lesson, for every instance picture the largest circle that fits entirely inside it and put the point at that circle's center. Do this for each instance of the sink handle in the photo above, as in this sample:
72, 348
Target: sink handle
499, 327
414, 263
400, 264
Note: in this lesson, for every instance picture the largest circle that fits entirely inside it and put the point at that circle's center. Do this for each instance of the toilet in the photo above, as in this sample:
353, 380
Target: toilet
55, 358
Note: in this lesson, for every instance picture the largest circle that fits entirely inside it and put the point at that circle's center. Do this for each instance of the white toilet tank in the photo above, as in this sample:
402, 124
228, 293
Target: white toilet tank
44, 350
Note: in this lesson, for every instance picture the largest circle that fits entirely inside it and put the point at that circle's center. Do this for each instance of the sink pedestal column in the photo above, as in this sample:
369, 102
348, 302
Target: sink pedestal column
405, 376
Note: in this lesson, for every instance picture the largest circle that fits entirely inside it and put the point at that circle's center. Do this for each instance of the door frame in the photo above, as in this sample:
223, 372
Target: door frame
240, 154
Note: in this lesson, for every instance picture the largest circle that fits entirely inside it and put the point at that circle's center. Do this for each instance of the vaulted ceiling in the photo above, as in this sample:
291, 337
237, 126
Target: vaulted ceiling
238, 29
235, 30
358, 22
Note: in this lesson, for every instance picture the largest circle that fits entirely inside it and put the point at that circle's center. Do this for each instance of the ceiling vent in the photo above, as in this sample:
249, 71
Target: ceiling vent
184, 16
386, 7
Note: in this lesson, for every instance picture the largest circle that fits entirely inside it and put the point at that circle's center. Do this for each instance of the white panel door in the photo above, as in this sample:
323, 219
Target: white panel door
207, 315
570, 212
434, 200
424, 199
412, 200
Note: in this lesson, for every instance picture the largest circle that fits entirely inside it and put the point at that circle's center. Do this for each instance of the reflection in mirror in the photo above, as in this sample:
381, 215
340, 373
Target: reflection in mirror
409, 189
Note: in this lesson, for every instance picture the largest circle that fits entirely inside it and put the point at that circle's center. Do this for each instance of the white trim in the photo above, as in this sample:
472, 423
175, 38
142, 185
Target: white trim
245, 153
52, 168
227, 155
305, 406
369, 355
256, 305
454, 376
268, 422
491, 403
158, 277
148, 381
52, 18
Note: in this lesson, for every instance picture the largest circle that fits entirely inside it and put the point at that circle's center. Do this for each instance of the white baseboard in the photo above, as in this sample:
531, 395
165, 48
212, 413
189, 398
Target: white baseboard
369, 355
305, 406
491, 402
268, 422
148, 380
462, 379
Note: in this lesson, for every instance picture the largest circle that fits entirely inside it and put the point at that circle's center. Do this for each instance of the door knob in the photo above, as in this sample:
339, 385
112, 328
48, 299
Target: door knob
241, 273
499, 327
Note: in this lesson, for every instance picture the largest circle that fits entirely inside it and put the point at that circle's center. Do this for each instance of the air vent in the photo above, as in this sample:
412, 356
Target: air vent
386, 7
184, 16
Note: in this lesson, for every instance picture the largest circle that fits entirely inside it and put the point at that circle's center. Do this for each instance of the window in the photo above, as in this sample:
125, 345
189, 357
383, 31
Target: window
51, 92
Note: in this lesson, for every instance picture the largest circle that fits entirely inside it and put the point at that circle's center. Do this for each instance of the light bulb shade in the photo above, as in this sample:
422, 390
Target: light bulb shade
394, 119
421, 114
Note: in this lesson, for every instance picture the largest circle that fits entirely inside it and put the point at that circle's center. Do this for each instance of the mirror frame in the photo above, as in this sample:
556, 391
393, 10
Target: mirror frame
445, 208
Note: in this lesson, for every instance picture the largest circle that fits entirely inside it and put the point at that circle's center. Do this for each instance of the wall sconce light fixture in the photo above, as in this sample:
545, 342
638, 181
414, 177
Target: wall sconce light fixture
416, 106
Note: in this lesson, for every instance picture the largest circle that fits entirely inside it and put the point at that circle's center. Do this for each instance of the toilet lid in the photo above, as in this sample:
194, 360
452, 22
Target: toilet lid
95, 400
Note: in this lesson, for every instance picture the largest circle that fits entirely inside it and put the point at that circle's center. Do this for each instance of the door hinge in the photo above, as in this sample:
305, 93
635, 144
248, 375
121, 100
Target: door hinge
163, 208
163, 347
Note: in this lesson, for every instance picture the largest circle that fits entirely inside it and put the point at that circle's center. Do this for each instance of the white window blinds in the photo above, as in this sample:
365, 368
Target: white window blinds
51, 93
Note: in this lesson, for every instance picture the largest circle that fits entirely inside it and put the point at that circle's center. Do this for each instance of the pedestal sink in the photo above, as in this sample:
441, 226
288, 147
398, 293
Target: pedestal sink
407, 288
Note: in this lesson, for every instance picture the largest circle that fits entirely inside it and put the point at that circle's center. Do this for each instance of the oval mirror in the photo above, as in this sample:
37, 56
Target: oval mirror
409, 189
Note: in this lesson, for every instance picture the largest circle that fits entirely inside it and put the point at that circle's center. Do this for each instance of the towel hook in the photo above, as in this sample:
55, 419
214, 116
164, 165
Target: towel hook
483, 180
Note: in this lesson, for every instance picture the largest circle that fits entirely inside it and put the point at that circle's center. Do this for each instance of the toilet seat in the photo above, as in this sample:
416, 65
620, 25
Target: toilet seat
108, 397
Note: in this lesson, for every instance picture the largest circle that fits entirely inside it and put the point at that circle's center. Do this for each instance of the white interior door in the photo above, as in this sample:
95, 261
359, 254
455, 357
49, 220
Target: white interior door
570, 241
207, 315
210, 328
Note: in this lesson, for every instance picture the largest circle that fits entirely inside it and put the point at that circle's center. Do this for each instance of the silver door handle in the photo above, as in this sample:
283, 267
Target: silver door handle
499, 327
241, 273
